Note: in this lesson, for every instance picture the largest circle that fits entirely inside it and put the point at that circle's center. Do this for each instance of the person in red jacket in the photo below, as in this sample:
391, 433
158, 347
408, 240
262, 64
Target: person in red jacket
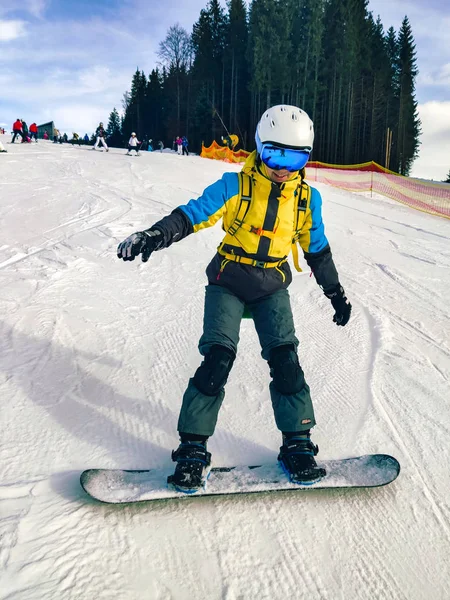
17, 130
33, 130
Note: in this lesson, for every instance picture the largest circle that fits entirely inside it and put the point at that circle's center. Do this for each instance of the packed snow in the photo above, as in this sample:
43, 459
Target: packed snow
95, 355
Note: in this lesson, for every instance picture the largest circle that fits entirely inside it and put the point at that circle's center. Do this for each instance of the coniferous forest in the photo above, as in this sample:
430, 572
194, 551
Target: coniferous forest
330, 57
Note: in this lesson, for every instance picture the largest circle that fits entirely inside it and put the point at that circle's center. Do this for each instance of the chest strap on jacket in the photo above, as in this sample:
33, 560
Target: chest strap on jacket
258, 230
245, 197
250, 261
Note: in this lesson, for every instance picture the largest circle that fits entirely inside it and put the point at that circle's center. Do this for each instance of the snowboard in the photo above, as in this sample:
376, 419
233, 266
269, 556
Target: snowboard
119, 486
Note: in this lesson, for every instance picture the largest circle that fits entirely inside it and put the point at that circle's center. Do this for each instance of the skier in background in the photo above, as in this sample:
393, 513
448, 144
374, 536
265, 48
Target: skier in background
179, 143
265, 208
75, 139
100, 134
185, 144
160, 146
25, 136
17, 130
134, 144
33, 132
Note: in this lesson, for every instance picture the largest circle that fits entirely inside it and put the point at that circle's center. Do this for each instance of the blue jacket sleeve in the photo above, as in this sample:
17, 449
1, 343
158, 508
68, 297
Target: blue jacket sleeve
199, 213
206, 210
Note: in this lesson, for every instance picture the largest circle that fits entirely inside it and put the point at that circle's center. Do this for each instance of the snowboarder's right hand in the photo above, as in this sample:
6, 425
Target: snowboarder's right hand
141, 242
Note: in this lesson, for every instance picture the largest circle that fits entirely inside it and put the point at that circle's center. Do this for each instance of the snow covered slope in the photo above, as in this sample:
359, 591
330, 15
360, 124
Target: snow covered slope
94, 358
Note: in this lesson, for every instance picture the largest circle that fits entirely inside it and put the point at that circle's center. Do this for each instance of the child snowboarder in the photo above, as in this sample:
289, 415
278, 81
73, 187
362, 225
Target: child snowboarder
134, 144
266, 208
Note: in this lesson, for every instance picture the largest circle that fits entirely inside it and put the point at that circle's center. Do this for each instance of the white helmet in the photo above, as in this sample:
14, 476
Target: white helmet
133, 133
285, 125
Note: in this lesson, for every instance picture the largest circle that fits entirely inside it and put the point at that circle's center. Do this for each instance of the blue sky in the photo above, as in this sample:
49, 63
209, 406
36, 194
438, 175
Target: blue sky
71, 61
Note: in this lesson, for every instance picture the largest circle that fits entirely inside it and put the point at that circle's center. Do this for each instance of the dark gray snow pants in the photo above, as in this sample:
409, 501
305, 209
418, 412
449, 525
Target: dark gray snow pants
274, 324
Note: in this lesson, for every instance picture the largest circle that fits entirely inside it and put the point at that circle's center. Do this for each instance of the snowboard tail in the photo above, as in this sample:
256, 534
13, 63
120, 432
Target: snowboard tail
119, 486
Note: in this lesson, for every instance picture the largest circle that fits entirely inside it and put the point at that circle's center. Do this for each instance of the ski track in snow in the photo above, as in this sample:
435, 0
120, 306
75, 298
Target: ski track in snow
95, 355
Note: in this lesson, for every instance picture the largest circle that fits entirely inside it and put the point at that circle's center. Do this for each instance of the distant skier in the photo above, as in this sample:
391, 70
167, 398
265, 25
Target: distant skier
160, 146
75, 139
266, 208
86, 138
100, 134
134, 144
17, 130
179, 143
25, 136
185, 145
33, 132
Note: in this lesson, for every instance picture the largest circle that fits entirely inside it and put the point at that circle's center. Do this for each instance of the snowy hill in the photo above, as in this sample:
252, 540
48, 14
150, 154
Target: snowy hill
95, 355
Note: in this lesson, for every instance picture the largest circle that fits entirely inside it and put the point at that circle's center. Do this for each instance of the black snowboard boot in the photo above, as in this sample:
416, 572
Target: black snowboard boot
297, 460
193, 467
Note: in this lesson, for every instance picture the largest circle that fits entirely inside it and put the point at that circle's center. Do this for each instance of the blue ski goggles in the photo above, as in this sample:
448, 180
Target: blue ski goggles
276, 157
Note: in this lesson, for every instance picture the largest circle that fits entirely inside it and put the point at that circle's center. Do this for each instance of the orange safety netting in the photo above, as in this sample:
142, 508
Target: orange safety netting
223, 153
433, 198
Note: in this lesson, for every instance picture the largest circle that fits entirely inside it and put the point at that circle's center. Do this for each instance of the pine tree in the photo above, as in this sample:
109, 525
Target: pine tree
333, 72
154, 107
408, 120
134, 109
380, 92
208, 41
114, 129
392, 105
270, 50
237, 73
448, 178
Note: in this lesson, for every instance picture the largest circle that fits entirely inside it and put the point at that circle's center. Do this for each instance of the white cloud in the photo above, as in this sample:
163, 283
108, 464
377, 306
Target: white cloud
434, 152
436, 77
75, 100
36, 8
11, 30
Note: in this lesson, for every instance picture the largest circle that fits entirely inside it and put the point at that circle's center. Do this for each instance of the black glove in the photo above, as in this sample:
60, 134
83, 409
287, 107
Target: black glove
141, 242
340, 304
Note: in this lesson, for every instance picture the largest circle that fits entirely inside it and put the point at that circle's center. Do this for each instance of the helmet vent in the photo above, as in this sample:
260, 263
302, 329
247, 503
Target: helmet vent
294, 117
272, 123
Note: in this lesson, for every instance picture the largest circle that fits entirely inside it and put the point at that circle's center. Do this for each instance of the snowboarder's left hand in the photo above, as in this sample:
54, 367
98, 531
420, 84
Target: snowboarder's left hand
141, 242
341, 305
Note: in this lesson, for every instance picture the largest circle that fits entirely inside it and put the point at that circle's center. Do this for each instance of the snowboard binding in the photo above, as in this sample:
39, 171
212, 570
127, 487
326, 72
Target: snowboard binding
193, 467
297, 461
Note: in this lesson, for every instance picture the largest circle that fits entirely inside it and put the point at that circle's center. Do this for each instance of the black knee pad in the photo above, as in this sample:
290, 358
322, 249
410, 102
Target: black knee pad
285, 370
213, 373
